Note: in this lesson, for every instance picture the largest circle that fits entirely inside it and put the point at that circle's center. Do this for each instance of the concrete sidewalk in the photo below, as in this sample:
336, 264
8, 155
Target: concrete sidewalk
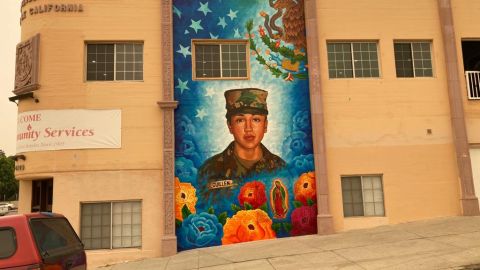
445, 243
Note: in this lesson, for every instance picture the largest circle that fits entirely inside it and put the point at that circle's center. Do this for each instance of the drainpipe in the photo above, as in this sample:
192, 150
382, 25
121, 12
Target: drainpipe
324, 218
468, 199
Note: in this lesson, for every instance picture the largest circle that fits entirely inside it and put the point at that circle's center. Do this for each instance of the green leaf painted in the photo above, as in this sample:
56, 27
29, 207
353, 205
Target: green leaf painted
185, 212
178, 223
297, 204
276, 227
310, 202
247, 206
287, 226
235, 208
222, 218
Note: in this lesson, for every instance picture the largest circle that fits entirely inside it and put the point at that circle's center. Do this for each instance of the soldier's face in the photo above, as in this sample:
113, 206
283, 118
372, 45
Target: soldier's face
248, 129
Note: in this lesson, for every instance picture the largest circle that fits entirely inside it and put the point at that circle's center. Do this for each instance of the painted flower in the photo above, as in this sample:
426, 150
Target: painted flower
302, 163
304, 220
185, 170
186, 146
301, 121
184, 126
247, 225
200, 230
289, 77
277, 44
261, 31
252, 193
184, 195
298, 143
304, 188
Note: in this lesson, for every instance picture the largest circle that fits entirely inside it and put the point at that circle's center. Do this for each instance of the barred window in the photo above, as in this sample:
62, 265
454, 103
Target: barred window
362, 196
110, 225
413, 59
352, 59
115, 62
220, 59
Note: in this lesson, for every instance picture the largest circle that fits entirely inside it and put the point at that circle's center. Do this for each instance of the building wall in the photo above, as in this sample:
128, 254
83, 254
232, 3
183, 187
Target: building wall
92, 175
373, 126
465, 14
379, 125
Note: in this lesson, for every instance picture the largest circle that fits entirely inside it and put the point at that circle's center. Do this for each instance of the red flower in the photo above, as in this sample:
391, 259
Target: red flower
277, 44
261, 31
252, 193
304, 220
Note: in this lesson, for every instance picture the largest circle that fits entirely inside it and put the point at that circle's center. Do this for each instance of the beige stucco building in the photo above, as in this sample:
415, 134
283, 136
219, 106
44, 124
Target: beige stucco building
420, 134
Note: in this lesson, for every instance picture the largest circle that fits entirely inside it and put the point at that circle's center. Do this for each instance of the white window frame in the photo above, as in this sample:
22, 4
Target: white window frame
375, 214
111, 222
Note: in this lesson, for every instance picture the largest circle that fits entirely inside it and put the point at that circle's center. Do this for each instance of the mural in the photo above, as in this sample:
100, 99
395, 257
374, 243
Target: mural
244, 158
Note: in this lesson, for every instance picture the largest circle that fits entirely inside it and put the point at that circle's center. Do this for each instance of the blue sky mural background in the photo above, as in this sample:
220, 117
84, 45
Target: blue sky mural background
200, 122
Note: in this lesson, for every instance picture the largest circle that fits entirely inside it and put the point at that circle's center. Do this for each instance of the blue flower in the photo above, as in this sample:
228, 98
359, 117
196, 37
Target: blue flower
301, 121
185, 170
298, 143
200, 230
186, 147
302, 163
184, 126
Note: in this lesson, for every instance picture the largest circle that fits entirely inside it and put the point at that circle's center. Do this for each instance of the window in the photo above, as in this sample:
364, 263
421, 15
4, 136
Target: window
413, 59
362, 196
54, 236
9, 242
115, 62
111, 225
352, 59
215, 59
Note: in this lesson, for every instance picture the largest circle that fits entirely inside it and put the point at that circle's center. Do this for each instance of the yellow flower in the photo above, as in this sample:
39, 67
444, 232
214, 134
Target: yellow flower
184, 195
247, 225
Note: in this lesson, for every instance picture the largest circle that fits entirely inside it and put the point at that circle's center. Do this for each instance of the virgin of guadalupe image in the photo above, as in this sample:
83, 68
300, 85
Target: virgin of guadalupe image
279, 200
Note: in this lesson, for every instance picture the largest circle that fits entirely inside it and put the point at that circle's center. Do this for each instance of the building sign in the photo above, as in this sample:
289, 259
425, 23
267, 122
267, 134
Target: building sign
31, 8
244, 163
68, 129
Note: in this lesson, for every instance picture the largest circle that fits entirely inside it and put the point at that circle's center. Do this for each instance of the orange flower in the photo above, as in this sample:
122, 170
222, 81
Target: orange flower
304, 188
247, 225
184, 195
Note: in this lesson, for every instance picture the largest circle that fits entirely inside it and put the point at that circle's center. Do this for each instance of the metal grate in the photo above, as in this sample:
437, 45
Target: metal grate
473, 84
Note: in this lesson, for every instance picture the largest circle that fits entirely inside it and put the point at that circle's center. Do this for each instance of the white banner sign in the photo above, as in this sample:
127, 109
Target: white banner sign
68, 129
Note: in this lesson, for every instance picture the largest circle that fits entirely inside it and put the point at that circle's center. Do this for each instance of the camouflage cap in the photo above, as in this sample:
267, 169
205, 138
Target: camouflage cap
246, 100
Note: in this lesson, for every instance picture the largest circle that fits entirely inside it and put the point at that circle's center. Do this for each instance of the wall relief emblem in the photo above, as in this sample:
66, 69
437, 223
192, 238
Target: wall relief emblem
26, 66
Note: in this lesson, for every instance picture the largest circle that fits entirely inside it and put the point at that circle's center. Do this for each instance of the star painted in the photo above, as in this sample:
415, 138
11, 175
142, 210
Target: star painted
212, 36
184, 51
177, 12
204, 8
201, 114
221, 22
236, 33
196, 25
232, 14
182, 85
209, 92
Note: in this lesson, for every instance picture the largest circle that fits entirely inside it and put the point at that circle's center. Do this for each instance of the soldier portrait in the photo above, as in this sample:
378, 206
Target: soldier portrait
245, 156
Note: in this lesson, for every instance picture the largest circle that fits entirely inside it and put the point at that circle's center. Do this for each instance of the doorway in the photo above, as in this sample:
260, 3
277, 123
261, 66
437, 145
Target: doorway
42, 195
